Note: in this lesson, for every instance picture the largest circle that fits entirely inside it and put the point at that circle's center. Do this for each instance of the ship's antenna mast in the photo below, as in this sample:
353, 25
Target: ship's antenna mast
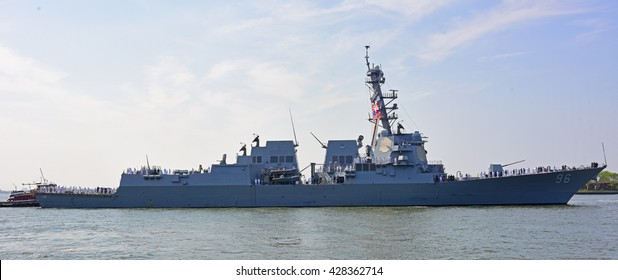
293, 129
379, 109
316, 138
147, 162
367, 57
42, 176
375, 121
604, 157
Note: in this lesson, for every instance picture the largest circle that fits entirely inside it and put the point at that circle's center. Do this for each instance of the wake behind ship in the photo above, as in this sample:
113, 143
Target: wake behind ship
392, 171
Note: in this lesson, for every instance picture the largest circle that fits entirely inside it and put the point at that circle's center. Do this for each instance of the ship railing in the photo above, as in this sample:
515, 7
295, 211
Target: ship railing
392, 116
434, 162
335, 167
368, 80
524, 171
389, 95
411, 143
324, 178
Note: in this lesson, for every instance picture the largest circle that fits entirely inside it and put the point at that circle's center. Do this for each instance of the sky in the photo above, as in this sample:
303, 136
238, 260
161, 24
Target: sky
90, 88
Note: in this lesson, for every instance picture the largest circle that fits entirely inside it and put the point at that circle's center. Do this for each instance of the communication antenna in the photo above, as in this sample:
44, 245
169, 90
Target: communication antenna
604, 157
505, 165
293, 128
42, 176
147, 162
367, 57
316, 138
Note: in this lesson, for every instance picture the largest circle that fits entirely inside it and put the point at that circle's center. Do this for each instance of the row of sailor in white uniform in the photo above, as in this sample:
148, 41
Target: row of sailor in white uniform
77, 190
337, 168
144, 171
516, 172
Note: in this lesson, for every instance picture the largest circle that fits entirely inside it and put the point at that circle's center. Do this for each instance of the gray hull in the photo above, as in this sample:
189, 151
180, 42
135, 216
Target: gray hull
544, 188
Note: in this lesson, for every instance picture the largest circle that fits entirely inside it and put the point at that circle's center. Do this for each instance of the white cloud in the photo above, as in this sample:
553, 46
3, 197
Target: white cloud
419, 95
308, 12
205, 85
508, 14
244, 25
260, 77
411, 9
169, 83
594, 26
19, 73
32, 90
502, 56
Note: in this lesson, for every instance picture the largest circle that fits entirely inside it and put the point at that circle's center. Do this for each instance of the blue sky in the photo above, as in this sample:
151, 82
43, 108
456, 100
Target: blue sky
89, 88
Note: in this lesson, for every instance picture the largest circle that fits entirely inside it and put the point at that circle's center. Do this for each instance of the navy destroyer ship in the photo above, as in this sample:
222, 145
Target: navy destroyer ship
392, 170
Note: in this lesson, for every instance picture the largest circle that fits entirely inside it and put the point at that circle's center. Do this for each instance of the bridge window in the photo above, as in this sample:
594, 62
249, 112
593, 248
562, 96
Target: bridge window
365, 167
289, 159
343, 159
274, 159
349, 159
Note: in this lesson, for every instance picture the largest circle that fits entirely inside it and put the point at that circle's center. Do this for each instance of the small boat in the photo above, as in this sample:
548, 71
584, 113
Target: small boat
27, 197
21, 198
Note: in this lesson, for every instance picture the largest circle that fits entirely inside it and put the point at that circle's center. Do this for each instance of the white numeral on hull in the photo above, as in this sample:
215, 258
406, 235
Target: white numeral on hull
563, 178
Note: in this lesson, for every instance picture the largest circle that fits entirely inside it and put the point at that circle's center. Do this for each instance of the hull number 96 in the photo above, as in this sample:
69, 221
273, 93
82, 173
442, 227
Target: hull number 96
563, 178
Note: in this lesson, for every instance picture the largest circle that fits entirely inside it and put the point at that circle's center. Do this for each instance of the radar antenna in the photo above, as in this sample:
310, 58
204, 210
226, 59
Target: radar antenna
243, 149
256, 140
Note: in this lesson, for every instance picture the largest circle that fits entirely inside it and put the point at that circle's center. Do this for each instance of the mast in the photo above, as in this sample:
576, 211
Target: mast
293, 129
378, 104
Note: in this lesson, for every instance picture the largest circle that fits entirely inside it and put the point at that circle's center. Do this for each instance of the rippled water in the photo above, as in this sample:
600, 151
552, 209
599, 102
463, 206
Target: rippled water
587, 228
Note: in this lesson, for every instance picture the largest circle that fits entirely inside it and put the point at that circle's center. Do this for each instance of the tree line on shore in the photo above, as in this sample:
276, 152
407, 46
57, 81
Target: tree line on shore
606, 181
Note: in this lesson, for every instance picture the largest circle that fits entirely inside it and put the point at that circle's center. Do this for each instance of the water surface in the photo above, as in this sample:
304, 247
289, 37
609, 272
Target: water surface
586, 228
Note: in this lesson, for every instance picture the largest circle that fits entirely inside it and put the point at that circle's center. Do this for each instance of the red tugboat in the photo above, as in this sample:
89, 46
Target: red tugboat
26, 198
21, 199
